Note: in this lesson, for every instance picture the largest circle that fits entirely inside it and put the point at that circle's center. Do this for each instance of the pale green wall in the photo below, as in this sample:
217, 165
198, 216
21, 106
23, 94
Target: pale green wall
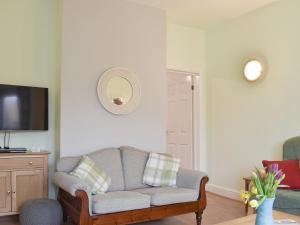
29, 55
249, 122
186, 50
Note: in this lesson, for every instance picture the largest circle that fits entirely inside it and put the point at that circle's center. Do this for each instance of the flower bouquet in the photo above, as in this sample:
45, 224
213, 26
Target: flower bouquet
261, 195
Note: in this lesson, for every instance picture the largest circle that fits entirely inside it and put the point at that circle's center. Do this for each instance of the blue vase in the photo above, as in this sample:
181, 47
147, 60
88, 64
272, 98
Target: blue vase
264, 214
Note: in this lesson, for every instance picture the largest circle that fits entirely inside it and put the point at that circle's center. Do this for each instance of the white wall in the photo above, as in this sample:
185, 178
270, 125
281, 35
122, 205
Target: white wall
186, 50
250, 121
29, 43
97, 35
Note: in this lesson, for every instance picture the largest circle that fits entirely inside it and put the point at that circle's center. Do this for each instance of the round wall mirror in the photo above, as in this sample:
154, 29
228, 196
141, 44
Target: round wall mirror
119, 91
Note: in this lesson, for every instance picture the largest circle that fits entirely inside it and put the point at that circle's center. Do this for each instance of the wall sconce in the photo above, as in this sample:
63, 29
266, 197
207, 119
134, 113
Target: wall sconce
253, 70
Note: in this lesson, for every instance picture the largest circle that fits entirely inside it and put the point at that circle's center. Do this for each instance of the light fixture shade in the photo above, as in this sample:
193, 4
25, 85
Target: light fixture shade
253, 70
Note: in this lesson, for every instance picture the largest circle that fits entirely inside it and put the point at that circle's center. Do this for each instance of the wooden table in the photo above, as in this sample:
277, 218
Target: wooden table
250, 220
247, 181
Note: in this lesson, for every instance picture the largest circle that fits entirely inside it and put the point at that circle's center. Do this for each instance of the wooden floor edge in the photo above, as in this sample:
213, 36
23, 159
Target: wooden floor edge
226, 197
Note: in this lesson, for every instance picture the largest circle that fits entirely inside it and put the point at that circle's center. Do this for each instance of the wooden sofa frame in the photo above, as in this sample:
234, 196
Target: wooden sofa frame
76, 210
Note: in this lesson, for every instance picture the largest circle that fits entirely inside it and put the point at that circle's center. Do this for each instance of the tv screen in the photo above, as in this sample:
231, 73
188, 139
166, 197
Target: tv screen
23, 108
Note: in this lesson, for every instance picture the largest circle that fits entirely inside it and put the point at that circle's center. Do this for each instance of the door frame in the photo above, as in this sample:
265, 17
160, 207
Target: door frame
195, 111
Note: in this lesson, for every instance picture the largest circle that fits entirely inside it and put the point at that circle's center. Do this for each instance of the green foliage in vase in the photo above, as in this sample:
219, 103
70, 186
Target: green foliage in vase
264, 184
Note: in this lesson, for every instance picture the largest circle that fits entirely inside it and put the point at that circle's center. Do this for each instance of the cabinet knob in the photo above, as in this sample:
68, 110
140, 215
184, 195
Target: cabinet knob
14, 192
30, 163
8, 192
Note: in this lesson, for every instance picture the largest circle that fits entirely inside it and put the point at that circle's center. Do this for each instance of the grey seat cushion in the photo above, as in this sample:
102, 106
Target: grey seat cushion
119, 201
169, 195
109, 159
287, 199
134, 162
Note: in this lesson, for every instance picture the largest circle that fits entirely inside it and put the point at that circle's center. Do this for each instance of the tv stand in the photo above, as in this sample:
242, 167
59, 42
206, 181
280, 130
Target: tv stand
23, 177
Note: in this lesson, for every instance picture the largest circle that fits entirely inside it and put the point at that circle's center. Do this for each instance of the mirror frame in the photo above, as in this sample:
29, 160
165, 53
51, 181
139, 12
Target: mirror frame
102, 91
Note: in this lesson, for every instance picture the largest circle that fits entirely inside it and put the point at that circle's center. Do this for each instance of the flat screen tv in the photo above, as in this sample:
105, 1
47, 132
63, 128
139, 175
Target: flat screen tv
23, 108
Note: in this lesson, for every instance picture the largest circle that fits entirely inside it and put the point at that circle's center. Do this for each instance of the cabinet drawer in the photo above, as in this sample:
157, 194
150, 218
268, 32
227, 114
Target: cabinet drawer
21, 163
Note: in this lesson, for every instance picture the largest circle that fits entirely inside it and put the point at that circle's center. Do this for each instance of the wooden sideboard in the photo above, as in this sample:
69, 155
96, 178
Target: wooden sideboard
23, 176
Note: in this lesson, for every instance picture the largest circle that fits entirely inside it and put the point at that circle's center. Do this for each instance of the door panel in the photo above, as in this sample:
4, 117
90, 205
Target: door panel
180, 117
5, 192
26, 185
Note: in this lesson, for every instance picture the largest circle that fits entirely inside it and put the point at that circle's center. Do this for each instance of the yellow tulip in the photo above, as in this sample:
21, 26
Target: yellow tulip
245, 196
253, 203
254, 190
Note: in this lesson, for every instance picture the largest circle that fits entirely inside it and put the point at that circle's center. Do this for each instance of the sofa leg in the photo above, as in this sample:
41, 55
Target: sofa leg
65, 216
199, 217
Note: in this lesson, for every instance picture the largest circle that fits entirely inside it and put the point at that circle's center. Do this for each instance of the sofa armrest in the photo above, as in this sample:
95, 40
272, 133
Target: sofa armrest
75, 187
190, 178
69, 183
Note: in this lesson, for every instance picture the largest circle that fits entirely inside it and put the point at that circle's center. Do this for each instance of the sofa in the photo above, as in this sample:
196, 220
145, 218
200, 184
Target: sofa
128, 200
289, 200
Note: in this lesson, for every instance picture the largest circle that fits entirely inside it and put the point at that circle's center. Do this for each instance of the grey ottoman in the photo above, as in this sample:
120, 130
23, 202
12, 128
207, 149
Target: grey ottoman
41, 212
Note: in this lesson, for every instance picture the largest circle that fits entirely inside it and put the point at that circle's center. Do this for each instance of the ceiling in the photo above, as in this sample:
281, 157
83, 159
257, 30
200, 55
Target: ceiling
204, 13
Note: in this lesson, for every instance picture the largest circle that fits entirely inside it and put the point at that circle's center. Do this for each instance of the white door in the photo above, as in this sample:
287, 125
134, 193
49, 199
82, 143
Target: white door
180, 117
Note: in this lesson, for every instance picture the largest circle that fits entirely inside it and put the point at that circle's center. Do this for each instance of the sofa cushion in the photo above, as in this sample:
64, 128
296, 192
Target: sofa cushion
161, 170
119, 201
291, 170
169, 195
109, 160
94, 176
134, 162
287, 199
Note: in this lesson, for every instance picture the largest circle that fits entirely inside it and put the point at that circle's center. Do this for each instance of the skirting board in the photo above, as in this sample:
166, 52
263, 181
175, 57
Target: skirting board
226, 192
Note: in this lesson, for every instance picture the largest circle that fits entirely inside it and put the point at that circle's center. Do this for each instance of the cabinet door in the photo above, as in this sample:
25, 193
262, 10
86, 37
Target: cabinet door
26, 185
5, 192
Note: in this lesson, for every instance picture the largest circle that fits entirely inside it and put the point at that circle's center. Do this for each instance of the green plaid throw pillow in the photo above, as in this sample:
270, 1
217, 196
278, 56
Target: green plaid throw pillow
161, 170
92, 175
